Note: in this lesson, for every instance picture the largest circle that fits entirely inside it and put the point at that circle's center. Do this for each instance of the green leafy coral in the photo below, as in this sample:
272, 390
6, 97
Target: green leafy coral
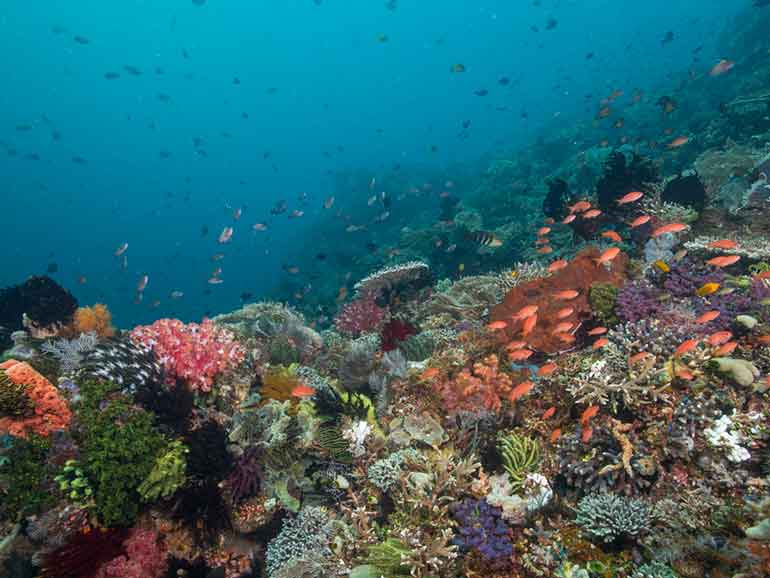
73, 482
25, 478
387, 558
167, 475
521, 456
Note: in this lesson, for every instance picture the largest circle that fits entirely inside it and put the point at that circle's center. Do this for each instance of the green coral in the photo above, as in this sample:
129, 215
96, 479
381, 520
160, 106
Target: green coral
167, 475
603, 297
282, 351
610, 517
655, 570
74, 483
26, 478
305, 537
14, 401
385, 473
521, 456
120, 445
387, 558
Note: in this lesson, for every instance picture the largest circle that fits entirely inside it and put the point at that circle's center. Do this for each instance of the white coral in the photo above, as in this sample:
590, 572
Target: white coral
720, 436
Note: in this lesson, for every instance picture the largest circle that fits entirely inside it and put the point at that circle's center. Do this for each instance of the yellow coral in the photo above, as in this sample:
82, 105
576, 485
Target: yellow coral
97, 318
278, 382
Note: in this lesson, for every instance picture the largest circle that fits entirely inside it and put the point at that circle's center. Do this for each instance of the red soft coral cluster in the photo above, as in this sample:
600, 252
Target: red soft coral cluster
51, 411
360, 316
145, 558
483, 386
195, 353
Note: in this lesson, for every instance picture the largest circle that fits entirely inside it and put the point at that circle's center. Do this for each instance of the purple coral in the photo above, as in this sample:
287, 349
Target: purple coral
729, 305
360, 316
638, 300
482, 529
687, 276
244, 480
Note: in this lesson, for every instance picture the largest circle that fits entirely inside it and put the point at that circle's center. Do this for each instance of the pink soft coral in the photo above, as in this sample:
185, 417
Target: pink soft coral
360, 316
195, 353
145, 558
482, 387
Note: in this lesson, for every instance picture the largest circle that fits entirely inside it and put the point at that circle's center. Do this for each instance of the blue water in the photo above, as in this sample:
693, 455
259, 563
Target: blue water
281, 98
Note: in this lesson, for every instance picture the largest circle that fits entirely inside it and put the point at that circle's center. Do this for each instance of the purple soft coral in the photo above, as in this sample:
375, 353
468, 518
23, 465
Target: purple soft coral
638, 300
687, 276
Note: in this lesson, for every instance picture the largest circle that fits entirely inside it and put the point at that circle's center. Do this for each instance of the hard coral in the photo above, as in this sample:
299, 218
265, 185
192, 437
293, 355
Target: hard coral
482, 387
97, 318
579, 275
194, 353
50, 411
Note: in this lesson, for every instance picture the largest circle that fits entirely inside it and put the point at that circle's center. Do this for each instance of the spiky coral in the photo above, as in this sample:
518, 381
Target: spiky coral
167, 474
51, 412
610, 518
195, 353
521, 456
484, 386
97, 319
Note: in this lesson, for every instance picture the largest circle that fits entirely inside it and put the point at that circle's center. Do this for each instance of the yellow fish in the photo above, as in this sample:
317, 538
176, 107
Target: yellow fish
662, 265
707, 289
461, 267
514, 273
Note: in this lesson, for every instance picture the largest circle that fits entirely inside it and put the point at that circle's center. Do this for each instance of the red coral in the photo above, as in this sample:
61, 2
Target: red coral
578, 275
195, 353
360, 316
51, 411
394, 332
145, 558
483, 386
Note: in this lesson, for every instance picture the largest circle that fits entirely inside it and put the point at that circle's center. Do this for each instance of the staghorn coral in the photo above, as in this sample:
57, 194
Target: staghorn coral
484, 386
194, 353
610, 518
97, 319
51, 412
304, 537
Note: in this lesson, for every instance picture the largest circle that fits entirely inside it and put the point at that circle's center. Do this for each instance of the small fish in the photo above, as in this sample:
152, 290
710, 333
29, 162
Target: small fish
599, 343
458, 68
486, 239
612, 236
528, 325
303, 391
259, 227
592, 214
631, 197
176, 295
549, 412
580, 207
678, 142
719, 338
725, 349
670, 228
497, 325
555, 435
639, 221
514, 345
565, 337
82, 280
526, 311
684, 373
225, 235
722, 67
215, 281
291, 269
545, 250
142, 284
296, 214
662, 265
568, 219
329, 202
520, 354
637, 357
546, 369
120, 250
724, 260
562, 327
586, 435
707, 289
217, 256
565, 312
588, 414
708, 317
237, 214
566, 295
686, 346
429, 374
725, 244
557, 265
608, 255
543, 231
598, 331
520, 390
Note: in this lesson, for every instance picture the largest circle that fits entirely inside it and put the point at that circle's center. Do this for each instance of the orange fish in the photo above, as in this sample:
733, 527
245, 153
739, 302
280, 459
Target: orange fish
566, 337
520, 354
557, 265
722, 67
708, 317
562, 327
526, 311
592, 214
563, 313
555, 435
529, 325
521, 390
719, 338
684, 373
514, 345
762, 276
566, 295
670, 228
543, 231
678, 142
545, 250
568, 219
637, 357
630, 197
303, 391
579, 207
612, 236
598, 331
546, 369
599, 343
497, 325
429, 373
764, 339
723, 244
725, 349
608, 255
724, 260
639, 221
589, 413
549, 412
686, 346
586, 435
542, 241
225, 235
549, 221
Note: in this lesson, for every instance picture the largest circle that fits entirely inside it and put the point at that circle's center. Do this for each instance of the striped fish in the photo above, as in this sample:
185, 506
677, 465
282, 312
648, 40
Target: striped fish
485, 238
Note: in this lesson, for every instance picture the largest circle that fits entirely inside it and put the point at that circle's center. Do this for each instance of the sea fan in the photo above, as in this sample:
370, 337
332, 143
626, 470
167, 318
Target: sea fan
71, 352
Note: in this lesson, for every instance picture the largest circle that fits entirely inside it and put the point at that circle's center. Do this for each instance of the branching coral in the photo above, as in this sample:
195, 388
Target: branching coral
50, 410
71, 352
194, 353
304, 537
484, 386
611, 518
